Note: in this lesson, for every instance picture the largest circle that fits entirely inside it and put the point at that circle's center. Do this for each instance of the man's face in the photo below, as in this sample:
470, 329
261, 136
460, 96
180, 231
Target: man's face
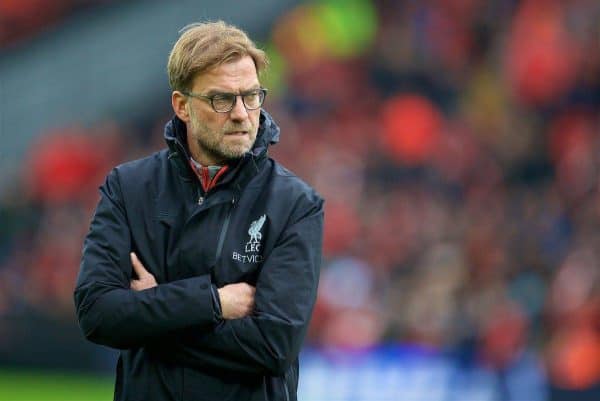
216, 138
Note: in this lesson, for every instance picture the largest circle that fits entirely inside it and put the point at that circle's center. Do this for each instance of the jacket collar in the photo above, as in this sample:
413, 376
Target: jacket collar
175, 135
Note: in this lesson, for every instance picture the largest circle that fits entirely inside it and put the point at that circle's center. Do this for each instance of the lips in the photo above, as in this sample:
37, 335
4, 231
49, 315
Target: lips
237, 133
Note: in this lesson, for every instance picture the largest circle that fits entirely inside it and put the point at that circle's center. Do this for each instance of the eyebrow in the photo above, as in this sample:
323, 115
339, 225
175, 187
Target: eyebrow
212, 92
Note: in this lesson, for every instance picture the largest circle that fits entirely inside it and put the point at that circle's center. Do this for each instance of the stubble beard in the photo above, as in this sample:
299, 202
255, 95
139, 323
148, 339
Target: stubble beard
212, 142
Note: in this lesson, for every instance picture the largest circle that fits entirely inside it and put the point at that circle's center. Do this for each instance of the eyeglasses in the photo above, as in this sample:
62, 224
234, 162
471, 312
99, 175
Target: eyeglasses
224, 102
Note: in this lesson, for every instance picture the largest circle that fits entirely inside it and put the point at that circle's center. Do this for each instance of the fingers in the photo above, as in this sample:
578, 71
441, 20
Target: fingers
136, 285
247, 288
143, 284
251, 291
144, 279
138, 267
237, 300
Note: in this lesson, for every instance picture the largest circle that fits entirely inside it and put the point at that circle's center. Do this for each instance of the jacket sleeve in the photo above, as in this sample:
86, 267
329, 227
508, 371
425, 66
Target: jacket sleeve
269, 341
112, 314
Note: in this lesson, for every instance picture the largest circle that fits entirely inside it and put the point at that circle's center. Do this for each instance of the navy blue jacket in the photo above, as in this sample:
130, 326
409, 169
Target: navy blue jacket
260, 224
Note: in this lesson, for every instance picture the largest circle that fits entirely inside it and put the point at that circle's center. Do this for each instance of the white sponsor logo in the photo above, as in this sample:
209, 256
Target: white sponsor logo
246, 258
254, 244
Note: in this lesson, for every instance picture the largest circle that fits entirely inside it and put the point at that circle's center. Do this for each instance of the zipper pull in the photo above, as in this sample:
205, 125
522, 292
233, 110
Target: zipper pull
201, 200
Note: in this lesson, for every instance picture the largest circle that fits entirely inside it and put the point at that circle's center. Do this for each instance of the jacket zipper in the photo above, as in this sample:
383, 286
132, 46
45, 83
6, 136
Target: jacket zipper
200, 196
224, 227
223, 232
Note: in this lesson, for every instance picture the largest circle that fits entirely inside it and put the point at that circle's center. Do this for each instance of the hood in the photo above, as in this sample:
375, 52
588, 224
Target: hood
268, 133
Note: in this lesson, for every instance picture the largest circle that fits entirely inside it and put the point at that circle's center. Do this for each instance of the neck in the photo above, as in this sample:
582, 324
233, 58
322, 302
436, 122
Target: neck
198, 164
203, 157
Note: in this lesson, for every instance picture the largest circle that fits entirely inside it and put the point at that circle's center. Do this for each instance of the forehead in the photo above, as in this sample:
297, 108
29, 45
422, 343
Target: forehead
234, 76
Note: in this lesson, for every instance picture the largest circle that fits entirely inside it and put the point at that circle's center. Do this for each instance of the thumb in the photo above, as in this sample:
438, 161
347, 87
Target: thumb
138, 267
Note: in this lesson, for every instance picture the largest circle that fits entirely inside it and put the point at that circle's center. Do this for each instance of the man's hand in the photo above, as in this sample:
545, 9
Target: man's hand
237, 300
145, 280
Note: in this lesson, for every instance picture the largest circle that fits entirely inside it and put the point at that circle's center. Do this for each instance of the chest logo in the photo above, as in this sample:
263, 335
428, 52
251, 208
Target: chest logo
253, 246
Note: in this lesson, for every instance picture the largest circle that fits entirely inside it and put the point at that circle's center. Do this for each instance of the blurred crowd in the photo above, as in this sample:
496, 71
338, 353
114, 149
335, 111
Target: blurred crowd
457, 145
21, 20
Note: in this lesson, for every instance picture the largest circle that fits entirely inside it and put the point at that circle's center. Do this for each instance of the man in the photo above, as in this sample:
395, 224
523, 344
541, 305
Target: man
202, 260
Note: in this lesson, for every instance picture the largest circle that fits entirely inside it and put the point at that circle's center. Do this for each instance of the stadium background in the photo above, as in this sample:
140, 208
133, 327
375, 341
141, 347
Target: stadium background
457, 143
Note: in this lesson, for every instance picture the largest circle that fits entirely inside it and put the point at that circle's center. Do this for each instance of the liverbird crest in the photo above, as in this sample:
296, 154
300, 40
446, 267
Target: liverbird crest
254, 230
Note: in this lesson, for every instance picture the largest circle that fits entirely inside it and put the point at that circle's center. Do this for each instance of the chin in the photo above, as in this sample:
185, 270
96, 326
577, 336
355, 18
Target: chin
238, 150
234, 154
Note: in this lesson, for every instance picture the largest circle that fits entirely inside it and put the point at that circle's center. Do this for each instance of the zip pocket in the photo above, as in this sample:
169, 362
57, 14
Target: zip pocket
223, 232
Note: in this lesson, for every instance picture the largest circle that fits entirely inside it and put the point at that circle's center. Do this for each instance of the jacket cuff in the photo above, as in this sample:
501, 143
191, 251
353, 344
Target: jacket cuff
216, 301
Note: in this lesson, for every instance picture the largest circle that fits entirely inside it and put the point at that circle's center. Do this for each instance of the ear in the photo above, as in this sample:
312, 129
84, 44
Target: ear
180, 102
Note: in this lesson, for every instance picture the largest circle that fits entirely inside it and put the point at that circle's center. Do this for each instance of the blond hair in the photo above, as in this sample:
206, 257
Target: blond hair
204, 45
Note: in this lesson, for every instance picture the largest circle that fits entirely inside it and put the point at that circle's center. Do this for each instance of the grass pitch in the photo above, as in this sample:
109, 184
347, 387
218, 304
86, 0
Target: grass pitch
53, 386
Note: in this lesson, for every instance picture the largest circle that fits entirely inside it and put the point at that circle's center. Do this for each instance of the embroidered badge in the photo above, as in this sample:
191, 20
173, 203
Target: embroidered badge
252, 248
253, 245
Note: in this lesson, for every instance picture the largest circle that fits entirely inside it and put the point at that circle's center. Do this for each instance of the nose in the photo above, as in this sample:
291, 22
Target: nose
239, 111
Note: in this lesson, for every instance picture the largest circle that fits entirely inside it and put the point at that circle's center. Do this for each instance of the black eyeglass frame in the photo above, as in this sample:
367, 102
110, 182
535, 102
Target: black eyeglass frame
262, 92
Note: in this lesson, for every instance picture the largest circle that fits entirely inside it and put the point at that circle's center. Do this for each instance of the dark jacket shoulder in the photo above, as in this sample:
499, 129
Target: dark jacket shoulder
302, 198
143, 176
